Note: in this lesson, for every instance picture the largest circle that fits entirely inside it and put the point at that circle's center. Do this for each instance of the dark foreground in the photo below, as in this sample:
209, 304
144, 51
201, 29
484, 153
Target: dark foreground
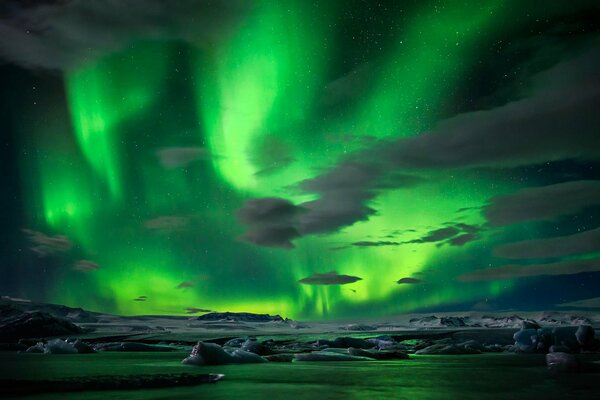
479, 376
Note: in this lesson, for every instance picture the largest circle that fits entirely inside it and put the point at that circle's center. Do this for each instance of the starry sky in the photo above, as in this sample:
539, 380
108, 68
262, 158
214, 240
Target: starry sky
318, 160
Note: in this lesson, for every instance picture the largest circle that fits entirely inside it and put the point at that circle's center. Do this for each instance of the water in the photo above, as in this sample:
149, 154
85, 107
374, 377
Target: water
485, 376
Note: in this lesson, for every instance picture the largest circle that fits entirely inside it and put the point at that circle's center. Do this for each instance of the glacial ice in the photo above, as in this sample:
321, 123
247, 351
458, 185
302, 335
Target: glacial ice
561, 362
131, 346
213, 354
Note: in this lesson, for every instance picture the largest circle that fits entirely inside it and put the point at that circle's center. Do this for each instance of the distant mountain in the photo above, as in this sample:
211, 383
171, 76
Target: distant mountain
239, 317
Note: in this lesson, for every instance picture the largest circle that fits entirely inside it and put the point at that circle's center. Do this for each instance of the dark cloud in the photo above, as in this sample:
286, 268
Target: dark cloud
375, 244
513, 271
561, 246
558, 121
542, 203
585, 303
437, 235
66, 34
181, 157
410, 281
270, 221
343, 195
141, 298
463, 239
185, 285
343, 192
468, 228
329, 278
85, 266
46, 245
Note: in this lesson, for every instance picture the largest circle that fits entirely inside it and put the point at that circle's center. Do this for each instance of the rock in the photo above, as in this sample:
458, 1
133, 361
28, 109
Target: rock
131, 346
239, 317
378, 355
329, 356
35, 325
213, 354
585, 335
561, 362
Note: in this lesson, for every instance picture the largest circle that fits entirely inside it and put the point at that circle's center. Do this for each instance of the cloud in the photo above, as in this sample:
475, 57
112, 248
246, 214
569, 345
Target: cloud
329, 278
462, 239
185, 285
85, 266
270, 221
594, 302
437, 235
141, 298
456, 235
561, 246
513, 271
558, 121
375, 244
194, 310
542, 203
63, 35
46, 245
343, 195
180, 157
410, 281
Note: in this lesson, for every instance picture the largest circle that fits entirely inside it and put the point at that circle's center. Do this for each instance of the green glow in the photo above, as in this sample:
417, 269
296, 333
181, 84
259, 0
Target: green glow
248, 85
103, 95
426, 64
248, 100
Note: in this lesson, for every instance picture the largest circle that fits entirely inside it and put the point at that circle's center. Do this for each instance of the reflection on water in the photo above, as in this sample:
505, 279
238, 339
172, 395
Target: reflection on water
485, 376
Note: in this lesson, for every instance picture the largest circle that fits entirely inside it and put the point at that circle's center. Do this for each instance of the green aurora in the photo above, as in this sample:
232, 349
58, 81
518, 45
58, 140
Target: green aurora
254, 115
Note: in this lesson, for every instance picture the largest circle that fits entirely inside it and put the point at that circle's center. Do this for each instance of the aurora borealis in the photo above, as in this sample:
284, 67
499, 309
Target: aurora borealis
317, 160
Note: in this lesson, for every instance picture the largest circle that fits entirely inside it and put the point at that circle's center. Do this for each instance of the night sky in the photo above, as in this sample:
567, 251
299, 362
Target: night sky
318, 160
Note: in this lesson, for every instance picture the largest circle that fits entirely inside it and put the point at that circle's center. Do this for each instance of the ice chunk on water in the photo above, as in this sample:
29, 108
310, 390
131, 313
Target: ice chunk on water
561, 362
585, 335
213, 354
